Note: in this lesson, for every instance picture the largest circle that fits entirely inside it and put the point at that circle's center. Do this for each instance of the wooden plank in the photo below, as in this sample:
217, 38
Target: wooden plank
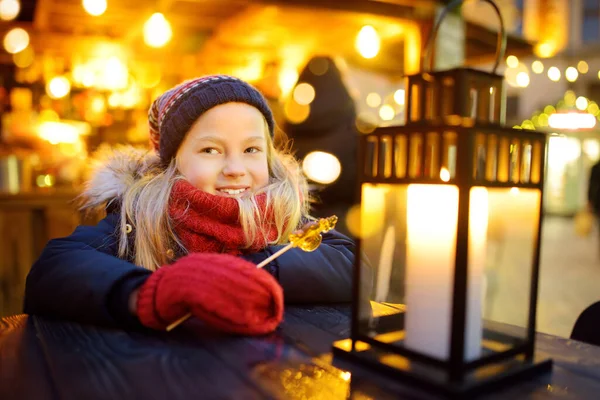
23, 372
276, 365
313, 329
88, 362
332, 319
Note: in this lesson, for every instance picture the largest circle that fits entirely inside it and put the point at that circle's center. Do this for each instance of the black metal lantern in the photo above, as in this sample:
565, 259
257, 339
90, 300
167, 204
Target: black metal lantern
436, 195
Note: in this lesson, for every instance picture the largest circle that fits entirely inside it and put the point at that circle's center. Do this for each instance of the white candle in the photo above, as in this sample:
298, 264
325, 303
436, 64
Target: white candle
432, 217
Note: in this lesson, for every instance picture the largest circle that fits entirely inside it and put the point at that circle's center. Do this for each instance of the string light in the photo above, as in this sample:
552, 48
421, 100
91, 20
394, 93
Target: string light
523, 79
571, 74
512, 61
373, 99
582, 67
399, 96
554, 74
386, 112
537, 67
581, 103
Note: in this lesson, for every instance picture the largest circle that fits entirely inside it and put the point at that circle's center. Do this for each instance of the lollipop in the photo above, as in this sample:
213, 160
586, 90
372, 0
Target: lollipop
308, 238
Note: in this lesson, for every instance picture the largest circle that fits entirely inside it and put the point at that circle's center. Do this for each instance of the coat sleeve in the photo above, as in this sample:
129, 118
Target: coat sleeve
321, 276
80, 278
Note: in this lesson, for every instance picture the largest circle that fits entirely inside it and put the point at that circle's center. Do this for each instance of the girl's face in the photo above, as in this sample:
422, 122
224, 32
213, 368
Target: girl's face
225, 151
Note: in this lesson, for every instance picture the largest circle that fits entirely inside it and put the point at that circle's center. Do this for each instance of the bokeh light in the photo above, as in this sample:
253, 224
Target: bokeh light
321, 167
16, 40
304, 93
368, 42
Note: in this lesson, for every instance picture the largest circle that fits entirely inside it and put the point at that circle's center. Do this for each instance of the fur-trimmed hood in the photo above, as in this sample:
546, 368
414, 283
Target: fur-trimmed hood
113, 171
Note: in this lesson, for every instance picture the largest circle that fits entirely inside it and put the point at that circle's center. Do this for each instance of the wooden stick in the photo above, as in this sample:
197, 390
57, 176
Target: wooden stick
262, 264
274, 256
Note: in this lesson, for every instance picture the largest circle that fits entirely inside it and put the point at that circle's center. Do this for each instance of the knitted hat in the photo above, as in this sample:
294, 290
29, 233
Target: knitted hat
174, 112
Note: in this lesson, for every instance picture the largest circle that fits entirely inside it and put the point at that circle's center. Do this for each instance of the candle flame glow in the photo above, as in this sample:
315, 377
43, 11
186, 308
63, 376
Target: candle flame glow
445, 175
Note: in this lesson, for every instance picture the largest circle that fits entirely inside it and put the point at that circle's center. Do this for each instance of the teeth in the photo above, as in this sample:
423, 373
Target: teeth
232, 191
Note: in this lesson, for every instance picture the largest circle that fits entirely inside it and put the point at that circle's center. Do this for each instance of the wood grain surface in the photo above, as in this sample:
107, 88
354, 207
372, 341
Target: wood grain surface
41, 358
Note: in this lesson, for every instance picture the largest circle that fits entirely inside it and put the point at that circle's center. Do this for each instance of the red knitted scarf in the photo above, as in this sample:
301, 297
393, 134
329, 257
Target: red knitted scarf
209, 223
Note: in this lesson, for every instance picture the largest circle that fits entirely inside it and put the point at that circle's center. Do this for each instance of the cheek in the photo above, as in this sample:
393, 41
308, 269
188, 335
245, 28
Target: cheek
198, 174
261, 174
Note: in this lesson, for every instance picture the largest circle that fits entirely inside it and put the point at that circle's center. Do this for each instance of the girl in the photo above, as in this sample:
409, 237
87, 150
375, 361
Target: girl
186, 225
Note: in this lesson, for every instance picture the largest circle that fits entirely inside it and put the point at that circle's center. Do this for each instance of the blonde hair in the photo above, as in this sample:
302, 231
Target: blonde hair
145, 206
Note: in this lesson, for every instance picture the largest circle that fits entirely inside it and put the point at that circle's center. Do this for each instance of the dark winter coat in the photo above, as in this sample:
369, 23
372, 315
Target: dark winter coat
80, 277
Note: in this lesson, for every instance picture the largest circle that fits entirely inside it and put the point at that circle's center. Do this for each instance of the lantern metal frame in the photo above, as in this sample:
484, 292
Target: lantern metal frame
474, 125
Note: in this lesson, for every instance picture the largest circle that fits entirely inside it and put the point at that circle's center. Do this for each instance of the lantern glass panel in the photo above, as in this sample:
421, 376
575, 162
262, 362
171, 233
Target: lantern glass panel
512, 230
409, 237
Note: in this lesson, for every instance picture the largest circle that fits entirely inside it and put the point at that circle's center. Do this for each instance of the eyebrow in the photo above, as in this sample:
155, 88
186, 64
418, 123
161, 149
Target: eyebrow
216, 139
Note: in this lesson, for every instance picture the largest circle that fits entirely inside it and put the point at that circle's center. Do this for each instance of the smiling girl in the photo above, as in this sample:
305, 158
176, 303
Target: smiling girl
187, 223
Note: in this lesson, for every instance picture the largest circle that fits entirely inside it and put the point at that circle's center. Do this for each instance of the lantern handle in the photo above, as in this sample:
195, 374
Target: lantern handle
500, 44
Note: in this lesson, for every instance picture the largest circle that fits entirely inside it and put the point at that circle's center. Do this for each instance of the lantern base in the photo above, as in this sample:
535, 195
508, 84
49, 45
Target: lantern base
481, 380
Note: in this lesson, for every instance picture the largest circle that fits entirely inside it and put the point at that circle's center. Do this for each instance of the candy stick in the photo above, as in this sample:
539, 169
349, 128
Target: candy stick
308, 239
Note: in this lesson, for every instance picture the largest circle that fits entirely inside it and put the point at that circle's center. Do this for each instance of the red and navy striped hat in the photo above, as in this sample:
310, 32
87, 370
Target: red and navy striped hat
174, 112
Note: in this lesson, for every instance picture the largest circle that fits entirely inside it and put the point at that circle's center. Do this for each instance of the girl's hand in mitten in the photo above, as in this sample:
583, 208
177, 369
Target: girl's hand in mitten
226, 292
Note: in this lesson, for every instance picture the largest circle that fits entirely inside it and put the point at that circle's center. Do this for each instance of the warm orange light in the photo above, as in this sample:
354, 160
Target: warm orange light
572, 121
157, 31
16, 40
94, 7
368, 42
9, 9
304, 93
545, 49
445, 175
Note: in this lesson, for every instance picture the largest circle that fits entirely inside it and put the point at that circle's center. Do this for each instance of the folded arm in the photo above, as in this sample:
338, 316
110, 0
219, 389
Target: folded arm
80, 278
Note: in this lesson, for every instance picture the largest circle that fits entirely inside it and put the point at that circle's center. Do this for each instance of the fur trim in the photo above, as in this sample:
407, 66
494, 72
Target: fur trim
113, 171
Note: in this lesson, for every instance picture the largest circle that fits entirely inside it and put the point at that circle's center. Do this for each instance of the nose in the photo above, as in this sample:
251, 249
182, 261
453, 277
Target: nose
234, 167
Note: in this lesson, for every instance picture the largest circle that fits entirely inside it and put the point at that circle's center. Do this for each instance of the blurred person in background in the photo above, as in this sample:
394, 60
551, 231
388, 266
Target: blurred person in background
331, 128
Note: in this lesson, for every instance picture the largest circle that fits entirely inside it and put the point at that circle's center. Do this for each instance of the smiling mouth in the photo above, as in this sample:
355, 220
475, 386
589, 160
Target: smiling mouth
232, 192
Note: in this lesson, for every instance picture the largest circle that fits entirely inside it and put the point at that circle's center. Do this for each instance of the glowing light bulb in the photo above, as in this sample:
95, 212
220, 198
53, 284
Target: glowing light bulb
368, 42
554, 74
523, 79
16, 40
537, 67
399, 96
321, 167
386, 112
373, 99
9, 9
571, 74
58, 87
94, 7
512, 61
157, 31
304, 93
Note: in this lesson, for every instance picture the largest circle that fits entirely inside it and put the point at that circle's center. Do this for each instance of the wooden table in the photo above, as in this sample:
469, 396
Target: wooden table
50, 359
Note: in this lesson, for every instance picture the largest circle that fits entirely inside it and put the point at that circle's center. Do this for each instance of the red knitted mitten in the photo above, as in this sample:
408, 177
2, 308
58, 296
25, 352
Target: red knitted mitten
224, 291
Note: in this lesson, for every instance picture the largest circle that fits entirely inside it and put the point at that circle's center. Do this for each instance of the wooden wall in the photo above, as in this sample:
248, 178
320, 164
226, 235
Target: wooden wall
27, 222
